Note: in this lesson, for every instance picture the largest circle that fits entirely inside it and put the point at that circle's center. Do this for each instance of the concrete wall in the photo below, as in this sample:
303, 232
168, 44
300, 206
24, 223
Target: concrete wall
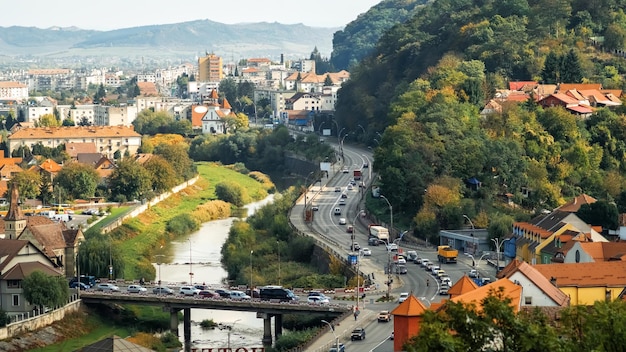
38, 322
144, 207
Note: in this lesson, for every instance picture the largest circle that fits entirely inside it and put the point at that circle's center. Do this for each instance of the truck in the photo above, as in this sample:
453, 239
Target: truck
447, 254
380, 232
357, 174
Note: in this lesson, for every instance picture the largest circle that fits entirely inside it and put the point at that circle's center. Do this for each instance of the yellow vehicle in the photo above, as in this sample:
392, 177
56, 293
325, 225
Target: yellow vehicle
447, 254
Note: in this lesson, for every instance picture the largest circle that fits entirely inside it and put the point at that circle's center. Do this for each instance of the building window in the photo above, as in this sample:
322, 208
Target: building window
16, 300
528, 300
13, 283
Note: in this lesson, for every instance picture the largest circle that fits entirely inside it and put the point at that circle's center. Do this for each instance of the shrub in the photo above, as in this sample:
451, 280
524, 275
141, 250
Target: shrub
182, 224
208, 324
4, 318
213, 210
293, 339
232, 193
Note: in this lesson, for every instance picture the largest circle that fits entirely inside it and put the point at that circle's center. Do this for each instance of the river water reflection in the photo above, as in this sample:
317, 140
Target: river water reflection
204, 249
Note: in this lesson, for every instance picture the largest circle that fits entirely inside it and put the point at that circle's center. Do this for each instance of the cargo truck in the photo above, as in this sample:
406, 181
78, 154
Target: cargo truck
357, 174
447, 254
380, 232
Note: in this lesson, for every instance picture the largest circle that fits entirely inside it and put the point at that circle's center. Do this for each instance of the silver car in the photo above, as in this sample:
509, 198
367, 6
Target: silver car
106, 287
136, 289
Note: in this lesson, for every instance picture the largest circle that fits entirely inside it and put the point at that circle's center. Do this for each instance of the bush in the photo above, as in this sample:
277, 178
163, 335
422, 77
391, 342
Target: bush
213, 210
182, 224
4, 318
293, 339
208, 324
232, 193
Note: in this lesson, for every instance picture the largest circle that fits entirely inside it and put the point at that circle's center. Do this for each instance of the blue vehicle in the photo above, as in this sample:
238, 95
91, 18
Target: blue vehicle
82, 286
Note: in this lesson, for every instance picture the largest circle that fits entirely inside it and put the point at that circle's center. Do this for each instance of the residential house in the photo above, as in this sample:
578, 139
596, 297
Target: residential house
53, 239
214, 120
73, 149
530, 238
575, 203
9, 170
108, 139
48, 169
586, 283
13, 91
595, 252
18, 259
537, 290
311, 82
103, 165
568, 102
304, 101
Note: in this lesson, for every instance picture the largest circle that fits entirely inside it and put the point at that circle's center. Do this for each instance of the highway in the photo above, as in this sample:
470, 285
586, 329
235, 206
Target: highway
334, 234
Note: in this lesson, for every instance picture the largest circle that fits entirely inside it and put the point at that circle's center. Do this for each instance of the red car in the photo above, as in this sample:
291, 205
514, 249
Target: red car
208, 294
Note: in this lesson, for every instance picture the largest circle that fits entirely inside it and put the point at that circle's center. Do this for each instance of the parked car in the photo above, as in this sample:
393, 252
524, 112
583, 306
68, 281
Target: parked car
403, 297
106, 287
162, 290
317, 300
358, 334
208, 294
188, 291
238, 295
136, 289
366, 252
341, 348
384, 315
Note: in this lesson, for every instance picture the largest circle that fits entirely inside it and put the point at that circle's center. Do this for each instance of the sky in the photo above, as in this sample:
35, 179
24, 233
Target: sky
116, 14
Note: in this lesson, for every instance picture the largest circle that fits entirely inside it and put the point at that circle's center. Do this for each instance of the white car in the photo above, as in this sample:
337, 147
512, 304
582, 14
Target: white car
403, 297
106, 287
238, 295
392, 247
188, 291
318, 300
350, 187
366, 252
136, 289
342, 221
401, 260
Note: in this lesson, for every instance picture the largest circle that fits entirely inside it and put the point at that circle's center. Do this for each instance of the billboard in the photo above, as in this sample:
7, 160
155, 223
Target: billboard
326, 132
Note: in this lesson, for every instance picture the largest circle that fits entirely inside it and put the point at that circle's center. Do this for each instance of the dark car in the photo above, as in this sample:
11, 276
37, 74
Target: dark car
341, 348
255, 293
358, 334
208, 294
278, 293
373, 241
77, 284
223, 293
161, 290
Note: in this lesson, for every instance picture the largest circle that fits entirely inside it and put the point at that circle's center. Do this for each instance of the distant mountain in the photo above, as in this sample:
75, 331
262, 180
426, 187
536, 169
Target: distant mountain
170, 40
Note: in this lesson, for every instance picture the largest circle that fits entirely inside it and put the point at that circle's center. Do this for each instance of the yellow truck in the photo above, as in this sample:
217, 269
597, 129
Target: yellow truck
447, 254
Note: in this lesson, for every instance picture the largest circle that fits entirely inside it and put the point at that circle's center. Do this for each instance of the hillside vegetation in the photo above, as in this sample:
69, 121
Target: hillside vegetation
429, 78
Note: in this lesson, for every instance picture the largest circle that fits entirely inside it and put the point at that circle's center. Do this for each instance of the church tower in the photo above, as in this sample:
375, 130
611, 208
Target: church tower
15, 221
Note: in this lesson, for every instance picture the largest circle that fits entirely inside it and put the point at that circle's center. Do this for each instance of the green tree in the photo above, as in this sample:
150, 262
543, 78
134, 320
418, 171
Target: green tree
232, 193
571, 69
96, 253
100, 94
228, 89
44, 290
178, 157
600, 213
551, 68
79, 179
162, 174
28, 183
130, 179
615, 37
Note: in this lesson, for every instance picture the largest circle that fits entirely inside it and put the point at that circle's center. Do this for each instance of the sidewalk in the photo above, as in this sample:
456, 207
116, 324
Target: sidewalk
343, 329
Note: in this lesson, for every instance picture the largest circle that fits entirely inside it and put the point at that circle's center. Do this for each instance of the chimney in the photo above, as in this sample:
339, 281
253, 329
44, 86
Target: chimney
553, 281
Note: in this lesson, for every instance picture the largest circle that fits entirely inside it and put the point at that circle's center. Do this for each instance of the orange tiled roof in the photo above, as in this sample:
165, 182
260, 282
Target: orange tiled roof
148, 89
605, 251
6, 84
412, 307
464, 285
213, 94
197, 112
539, 280
50, 166
74, 132
520, 85
73, 149
579, 86
598, 274
49, 71
226, 104
574, 205
510, 290
543, 233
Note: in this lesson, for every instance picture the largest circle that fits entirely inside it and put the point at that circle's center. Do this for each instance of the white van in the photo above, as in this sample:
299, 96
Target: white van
337, 211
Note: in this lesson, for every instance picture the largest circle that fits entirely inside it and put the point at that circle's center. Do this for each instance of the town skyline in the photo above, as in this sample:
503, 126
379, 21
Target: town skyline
110, 17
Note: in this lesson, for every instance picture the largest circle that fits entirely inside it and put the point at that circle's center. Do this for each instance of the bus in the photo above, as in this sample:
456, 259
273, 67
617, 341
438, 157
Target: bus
357, 174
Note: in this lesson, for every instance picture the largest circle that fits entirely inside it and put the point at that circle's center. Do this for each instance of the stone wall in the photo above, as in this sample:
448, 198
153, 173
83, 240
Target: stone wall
38, 322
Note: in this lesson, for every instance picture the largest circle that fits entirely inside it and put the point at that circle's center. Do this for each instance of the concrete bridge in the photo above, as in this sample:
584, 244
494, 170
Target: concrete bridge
175, 303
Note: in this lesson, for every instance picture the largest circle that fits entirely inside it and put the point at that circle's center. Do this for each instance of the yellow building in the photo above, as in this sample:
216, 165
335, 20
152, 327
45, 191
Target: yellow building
210, 68
586, 283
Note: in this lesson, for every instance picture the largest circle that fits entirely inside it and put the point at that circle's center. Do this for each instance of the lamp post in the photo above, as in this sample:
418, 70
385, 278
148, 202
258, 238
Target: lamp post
332, 329
320, 130
190, 264
498, 244
251, 270
472, 224
390, 213
476, 264
159, 264
78, 269
353, 234
110, 262
306, 192
230, 328
277, 248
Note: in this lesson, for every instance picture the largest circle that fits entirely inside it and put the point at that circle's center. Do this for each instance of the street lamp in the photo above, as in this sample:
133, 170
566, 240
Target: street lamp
332, 328
110, 261
251, 271
230, 328
159, 264
390, 213
474, 240
306, 191
190, 264
498, 244
476, 264
361, 127
353, 235
277, 248
78, 268
320, 130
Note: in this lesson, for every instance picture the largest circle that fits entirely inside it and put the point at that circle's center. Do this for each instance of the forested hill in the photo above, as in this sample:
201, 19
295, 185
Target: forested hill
512, 38
423, 88
358, 39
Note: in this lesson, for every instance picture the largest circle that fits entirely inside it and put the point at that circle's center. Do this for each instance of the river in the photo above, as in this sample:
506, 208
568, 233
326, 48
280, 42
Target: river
204, 247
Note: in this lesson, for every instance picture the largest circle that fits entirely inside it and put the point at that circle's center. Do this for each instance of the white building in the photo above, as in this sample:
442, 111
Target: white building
13, 91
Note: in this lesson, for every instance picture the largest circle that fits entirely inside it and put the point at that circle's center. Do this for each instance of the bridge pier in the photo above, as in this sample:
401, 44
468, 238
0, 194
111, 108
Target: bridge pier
174, 321
278, 326
267, 330
187, 328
